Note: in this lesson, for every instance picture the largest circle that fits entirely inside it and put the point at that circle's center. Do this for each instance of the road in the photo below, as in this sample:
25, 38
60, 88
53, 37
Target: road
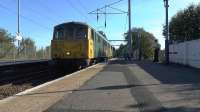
123, 86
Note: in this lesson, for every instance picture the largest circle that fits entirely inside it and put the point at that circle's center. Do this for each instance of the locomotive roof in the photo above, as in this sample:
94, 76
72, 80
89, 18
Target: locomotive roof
84, 24
78, 23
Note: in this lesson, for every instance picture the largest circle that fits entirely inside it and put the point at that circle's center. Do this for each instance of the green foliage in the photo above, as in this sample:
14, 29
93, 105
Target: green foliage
142, 40
25, 50
145, 41
147, 48
185, 25
6, 44
40, 53
121, 51
44, 53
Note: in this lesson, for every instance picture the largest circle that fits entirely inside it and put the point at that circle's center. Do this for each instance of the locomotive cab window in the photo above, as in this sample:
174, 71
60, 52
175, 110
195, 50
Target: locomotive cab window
59, 34
81, 33
69, 32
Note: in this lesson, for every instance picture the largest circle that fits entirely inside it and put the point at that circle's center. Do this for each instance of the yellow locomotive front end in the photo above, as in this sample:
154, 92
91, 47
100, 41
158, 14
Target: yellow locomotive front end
68, 49
71, 45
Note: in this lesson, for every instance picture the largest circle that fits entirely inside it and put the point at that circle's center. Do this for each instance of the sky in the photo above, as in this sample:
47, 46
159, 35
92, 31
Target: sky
38, 17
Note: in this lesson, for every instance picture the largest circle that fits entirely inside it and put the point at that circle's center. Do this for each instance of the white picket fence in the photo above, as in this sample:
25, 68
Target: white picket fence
187, 53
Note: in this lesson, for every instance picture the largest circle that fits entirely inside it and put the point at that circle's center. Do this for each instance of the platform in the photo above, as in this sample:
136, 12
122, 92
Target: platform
117, 86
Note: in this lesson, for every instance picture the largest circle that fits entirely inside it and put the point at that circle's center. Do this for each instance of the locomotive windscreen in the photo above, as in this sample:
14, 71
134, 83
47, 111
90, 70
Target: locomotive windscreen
70, 31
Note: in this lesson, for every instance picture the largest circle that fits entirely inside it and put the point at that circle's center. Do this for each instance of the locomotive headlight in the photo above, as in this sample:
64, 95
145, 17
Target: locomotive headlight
68, 53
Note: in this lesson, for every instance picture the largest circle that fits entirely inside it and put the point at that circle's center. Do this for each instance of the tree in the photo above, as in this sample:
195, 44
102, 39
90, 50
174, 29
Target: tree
142, 41
185, 25
27, 49
47, 52
121, 50
40, 53
6, 44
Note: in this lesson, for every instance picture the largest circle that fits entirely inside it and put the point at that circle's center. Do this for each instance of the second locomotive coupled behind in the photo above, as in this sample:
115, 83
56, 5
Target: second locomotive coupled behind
78, 44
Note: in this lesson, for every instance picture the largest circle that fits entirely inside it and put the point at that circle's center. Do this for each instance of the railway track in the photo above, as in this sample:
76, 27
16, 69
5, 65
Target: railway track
19, 77
13, 62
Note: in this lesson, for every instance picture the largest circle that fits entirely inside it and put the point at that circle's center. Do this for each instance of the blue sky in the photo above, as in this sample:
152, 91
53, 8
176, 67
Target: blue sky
38, 17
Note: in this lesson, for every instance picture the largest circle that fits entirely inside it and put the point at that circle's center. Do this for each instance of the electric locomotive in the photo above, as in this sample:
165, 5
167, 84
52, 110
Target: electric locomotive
78, 44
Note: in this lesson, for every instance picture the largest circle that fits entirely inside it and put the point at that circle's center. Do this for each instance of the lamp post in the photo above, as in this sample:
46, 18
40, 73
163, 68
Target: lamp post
129, 32
139, 46
18, 36
18, 14
166, 4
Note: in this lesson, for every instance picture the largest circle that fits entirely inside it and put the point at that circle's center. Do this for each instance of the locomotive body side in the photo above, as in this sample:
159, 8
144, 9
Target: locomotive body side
102, 48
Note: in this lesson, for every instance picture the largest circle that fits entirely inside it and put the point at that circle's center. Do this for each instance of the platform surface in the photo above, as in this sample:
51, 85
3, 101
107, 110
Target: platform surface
117, 86
124, 86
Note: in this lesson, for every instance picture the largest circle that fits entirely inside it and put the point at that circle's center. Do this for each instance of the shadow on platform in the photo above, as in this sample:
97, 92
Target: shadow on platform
117, 87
